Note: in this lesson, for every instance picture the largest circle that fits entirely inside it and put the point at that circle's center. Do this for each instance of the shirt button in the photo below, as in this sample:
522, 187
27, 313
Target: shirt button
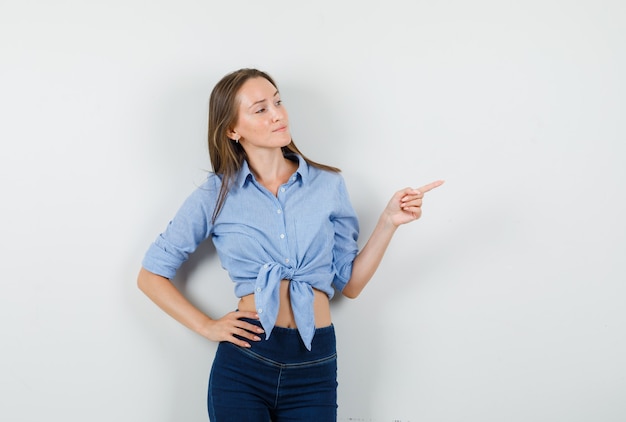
266, 265
282, 189
260, 310
286, 260
258, 289
282, 236
278, 211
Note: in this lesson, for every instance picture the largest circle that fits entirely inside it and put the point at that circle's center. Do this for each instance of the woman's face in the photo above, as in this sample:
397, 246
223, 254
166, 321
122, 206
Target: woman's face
262, 121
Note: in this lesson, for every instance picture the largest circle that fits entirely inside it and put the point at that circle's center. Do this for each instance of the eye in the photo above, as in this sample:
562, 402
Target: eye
279, 103
261, 110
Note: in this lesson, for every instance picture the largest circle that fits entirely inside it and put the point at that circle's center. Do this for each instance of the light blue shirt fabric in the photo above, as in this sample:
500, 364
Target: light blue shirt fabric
306, 234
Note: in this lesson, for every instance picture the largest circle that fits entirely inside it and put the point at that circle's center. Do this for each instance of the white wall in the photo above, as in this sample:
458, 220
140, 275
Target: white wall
505, 302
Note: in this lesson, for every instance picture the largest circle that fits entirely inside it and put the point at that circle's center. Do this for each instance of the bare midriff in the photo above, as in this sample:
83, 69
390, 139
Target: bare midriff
321, 307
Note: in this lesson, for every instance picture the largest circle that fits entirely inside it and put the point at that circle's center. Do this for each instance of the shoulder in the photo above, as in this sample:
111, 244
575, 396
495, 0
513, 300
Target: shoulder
318, 175
209, 187
205, 195
330, 185
212, 183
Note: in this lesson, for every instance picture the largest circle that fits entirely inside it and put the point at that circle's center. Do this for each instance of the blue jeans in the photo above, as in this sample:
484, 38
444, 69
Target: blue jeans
276, 379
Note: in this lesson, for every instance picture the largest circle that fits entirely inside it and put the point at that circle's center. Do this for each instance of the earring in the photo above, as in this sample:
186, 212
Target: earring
235, 140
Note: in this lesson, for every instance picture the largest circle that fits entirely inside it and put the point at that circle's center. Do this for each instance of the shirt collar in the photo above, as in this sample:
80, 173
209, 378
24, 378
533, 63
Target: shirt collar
302, 172
244, 174
303, 168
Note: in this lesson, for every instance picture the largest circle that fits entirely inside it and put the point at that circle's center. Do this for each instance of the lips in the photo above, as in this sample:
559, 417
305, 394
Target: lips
280, 129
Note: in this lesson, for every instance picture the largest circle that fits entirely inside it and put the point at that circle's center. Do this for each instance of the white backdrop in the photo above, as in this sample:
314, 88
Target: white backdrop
505, 302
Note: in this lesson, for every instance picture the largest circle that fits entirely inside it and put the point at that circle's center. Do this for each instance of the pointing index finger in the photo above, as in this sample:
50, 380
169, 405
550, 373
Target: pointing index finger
430, 186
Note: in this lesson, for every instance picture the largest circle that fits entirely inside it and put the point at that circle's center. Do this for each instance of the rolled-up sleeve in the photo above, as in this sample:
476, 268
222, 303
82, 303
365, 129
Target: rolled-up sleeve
346, 225
190, 226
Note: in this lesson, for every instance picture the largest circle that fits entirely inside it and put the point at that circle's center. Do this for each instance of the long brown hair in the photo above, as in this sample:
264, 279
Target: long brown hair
227, 156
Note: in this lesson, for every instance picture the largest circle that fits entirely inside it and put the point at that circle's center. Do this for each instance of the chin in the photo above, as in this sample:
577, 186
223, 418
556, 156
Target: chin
286, 140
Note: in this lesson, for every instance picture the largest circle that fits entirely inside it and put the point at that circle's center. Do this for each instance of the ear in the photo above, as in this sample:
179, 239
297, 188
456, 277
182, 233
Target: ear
232, 134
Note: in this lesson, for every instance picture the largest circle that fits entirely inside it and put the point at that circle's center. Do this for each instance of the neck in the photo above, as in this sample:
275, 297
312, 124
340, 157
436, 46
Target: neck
271, 169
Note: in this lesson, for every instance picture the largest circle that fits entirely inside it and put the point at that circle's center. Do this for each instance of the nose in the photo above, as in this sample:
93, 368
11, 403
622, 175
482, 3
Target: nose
279, 114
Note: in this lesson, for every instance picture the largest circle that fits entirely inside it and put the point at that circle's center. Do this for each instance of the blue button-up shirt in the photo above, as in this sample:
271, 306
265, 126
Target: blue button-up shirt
307, 234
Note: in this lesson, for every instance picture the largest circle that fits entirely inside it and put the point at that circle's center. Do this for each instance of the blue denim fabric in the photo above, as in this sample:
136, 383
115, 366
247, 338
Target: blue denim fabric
307, 234
276, 380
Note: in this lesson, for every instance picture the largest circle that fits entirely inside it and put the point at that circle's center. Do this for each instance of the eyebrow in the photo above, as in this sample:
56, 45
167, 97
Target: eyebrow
262, 101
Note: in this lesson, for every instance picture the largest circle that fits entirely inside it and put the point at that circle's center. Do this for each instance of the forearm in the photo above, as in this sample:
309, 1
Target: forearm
162, 292
369, 258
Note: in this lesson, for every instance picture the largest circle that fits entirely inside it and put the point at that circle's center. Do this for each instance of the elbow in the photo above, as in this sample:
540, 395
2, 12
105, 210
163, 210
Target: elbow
350, 293
144, 281
141, 280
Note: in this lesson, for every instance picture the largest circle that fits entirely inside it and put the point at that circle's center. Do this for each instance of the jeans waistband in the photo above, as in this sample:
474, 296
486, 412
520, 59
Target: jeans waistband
285, 345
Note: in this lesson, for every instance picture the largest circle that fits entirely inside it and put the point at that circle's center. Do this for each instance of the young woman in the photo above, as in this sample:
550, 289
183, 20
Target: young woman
285, 231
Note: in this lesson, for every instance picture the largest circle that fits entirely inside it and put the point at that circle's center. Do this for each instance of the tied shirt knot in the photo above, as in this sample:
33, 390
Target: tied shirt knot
267, 299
